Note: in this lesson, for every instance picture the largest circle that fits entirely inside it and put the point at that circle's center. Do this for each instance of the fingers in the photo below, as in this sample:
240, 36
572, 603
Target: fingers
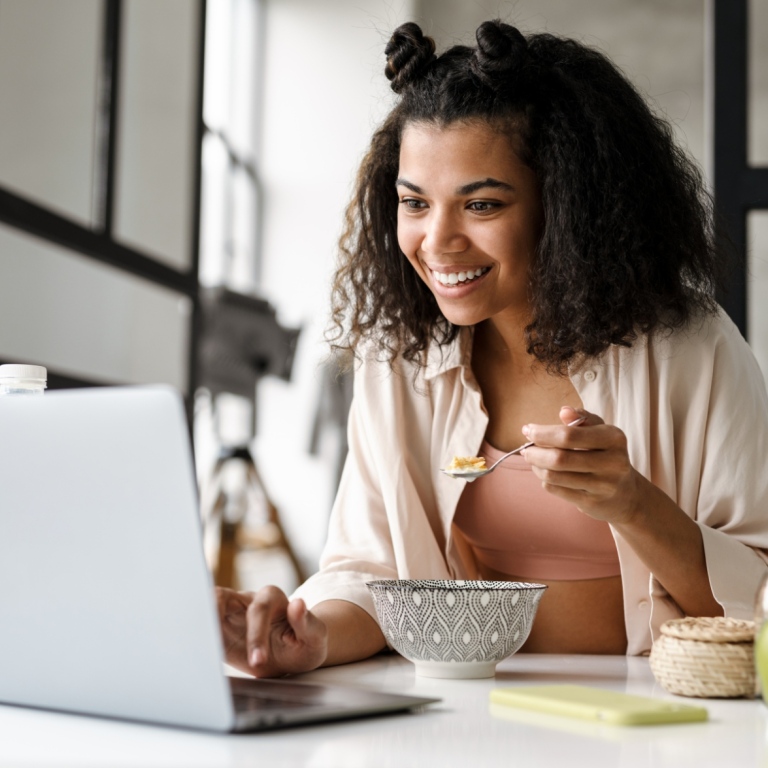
593, 434
569, 414
267, 635
283, 637
610, 498
307, 628
591, 483
267, 608
298, 617
602, 449
587, 465
232, 605
598, 437
561, 467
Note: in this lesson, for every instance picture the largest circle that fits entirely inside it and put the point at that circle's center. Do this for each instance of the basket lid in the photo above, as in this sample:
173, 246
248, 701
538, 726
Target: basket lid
712, 629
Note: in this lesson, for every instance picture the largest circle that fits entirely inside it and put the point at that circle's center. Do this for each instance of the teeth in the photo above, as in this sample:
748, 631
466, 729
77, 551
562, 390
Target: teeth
452, 278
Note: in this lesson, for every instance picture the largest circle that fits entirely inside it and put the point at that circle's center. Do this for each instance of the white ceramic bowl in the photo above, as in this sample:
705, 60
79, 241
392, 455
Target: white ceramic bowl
455, 628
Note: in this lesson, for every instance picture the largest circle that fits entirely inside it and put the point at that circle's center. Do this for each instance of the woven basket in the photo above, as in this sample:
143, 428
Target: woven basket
706, 657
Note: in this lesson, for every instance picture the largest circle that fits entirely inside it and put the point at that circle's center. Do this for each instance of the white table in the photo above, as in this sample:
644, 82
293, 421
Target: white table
460, 731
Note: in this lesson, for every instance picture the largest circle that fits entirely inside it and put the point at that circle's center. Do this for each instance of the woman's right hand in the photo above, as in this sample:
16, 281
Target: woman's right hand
267, 635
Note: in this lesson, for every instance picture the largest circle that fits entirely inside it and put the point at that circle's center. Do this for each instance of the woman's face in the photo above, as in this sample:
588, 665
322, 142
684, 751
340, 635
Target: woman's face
469, 219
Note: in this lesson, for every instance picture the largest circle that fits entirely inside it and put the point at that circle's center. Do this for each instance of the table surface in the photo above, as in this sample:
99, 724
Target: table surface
459, 731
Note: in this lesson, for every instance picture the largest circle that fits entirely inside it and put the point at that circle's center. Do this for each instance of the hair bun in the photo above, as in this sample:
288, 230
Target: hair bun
501, 52
409, 52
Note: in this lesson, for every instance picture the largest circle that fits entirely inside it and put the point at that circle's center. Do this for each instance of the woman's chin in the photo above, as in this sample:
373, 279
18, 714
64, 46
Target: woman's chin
463, 319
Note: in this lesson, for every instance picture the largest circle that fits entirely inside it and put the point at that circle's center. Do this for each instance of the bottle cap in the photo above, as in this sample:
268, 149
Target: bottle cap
14, 371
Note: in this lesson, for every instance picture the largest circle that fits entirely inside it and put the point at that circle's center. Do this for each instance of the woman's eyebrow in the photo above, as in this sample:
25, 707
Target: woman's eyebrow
468, 189
409, 185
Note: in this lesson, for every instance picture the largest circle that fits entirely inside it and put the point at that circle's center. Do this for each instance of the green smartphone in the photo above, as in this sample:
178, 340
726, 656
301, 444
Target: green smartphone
598, 705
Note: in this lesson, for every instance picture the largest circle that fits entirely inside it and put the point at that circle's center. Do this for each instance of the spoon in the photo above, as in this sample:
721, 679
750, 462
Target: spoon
470, 475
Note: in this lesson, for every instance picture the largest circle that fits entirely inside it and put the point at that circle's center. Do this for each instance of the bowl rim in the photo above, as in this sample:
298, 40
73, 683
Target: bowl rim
456, 584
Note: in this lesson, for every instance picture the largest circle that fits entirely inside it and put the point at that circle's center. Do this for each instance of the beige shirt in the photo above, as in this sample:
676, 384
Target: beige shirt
693, 406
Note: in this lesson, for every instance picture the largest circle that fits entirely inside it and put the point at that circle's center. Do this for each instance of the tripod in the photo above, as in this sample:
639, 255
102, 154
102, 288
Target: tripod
240, 343
231, 527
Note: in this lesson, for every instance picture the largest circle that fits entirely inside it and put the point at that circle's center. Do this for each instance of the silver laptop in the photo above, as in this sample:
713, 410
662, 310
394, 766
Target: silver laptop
107, 605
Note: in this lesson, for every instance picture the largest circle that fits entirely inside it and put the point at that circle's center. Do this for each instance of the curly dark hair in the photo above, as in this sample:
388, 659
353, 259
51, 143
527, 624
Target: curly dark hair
628, 239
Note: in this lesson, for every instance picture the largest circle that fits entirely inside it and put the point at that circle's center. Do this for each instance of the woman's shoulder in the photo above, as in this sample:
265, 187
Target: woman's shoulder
708, 341
712, 332
374, 360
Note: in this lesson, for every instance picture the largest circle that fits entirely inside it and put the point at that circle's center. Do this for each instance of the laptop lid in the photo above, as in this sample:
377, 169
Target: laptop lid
107, 605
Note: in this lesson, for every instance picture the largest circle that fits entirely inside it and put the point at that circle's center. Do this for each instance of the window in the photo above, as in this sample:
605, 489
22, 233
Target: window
99, 185
231, 203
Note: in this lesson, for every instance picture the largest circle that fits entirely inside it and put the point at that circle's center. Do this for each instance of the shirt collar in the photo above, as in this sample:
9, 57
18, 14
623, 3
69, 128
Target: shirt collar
443, 358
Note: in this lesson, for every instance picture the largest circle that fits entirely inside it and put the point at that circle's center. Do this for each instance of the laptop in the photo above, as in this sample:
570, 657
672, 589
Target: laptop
107, 605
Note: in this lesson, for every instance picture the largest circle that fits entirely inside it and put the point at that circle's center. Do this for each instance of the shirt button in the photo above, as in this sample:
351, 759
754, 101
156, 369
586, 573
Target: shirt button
642, 604
590, 375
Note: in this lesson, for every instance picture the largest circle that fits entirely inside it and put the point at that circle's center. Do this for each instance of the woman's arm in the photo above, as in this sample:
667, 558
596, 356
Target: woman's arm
267, 635
671, 546
589, 466
352, 633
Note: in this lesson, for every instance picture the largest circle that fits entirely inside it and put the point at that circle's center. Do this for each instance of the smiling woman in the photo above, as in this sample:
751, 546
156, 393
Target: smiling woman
528, 258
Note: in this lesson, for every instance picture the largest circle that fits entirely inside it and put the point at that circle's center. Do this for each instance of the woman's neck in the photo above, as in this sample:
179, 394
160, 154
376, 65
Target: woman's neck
516, 388
503, 342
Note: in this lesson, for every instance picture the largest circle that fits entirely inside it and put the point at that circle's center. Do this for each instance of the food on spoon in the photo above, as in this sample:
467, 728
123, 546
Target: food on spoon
467, 464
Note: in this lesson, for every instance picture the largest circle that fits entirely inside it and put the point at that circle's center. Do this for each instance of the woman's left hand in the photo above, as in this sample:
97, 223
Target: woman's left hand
587, 465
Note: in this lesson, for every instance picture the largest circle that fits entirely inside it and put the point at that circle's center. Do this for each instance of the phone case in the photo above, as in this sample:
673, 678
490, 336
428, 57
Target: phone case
598, 705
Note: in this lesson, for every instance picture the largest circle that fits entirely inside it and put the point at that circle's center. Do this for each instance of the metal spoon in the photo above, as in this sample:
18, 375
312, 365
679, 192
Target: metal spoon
470, 475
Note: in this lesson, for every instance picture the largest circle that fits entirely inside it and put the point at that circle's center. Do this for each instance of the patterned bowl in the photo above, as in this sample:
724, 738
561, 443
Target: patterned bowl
458, 629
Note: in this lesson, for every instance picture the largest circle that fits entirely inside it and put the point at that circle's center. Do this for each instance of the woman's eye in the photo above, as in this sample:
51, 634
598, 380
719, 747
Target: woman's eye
414, 205
482, 206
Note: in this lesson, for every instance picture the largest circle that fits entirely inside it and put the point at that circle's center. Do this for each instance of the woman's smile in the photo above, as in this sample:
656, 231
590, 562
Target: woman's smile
456, 281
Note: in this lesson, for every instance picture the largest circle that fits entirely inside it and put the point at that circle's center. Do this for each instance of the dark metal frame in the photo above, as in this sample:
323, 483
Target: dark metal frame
98, 243
738, 187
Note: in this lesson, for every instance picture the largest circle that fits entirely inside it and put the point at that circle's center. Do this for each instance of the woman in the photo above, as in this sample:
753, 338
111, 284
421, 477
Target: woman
526, 246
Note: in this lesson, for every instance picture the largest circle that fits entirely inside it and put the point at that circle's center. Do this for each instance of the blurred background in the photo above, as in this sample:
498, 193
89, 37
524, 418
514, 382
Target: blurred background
173, 175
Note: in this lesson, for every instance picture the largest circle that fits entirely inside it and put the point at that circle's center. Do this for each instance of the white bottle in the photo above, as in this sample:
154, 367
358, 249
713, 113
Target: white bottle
23, 379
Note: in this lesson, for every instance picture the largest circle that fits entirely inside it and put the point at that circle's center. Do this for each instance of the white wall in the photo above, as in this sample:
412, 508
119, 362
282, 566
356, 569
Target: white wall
659, 45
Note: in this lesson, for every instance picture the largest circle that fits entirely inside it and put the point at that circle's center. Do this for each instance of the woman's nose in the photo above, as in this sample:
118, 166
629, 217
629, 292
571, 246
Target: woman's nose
443, 234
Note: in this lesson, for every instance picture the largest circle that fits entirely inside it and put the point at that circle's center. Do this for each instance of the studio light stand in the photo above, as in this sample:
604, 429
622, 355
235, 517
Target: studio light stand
241, 342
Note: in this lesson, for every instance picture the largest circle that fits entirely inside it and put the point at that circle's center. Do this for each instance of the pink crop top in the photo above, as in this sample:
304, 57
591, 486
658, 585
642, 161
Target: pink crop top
516, 527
